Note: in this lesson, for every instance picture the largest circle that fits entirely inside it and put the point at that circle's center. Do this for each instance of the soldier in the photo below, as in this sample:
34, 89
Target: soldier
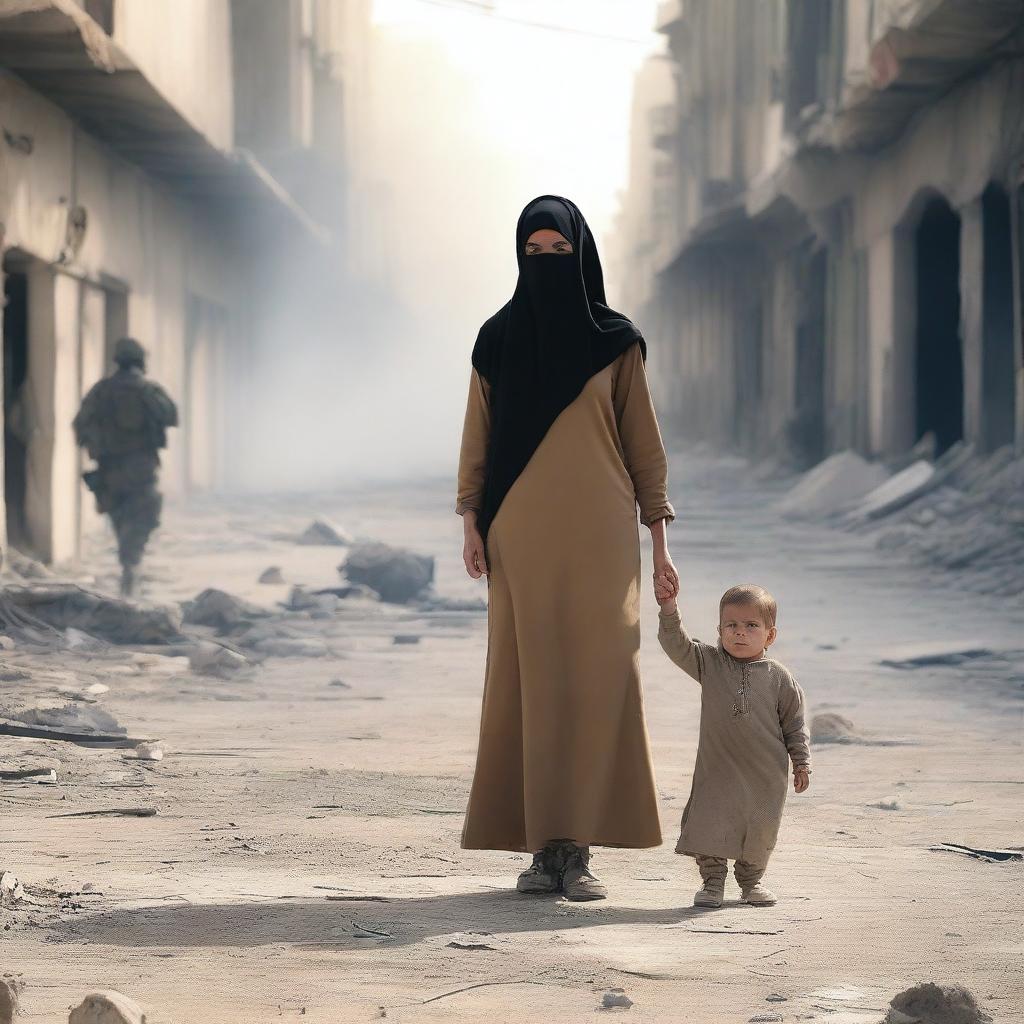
122, 425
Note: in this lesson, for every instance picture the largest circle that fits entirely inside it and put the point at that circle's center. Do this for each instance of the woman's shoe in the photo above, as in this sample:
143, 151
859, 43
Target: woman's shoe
578, 881
544, 875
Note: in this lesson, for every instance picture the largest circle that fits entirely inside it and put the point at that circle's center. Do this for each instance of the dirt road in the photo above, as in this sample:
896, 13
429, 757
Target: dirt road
304, 860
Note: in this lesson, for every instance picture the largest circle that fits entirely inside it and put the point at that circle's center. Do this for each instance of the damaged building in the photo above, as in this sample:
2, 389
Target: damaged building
827, 211
156, 159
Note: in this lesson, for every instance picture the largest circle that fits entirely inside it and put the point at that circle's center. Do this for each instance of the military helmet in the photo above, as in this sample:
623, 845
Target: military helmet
128, 352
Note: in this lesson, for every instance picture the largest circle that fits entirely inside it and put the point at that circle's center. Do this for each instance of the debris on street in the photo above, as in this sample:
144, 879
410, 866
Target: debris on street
928, 1003
615, 999
64, 605
272, 575
221, 610
321, 533
396, 574
10, 991
829, 727
107, 1007
833, 485
991, 856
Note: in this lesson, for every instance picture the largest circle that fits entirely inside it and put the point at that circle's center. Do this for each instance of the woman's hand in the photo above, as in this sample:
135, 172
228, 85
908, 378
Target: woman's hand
666, 578
473, 553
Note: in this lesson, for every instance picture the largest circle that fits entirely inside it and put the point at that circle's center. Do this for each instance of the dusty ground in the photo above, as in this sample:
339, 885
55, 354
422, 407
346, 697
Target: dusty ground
281, 791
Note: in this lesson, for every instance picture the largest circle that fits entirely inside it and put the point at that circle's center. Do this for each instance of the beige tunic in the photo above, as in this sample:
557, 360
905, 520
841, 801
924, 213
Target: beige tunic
751, 724
564, 752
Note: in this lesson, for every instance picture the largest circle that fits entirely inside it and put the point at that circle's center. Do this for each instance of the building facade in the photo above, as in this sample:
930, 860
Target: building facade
155, 157
842, 264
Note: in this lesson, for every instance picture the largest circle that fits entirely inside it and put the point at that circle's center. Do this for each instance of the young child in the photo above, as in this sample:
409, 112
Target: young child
751, 726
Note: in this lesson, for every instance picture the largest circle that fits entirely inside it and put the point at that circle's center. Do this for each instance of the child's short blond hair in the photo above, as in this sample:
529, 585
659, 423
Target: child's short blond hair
751, 593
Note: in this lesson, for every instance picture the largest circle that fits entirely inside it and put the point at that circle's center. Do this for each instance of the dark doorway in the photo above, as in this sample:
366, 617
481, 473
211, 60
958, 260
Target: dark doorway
997, 365
807, 428
16, 401
938, 356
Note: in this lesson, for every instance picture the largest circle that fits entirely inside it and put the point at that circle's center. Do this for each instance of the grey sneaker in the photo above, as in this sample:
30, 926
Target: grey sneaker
544, 875
578, 881
711, 895
759, 896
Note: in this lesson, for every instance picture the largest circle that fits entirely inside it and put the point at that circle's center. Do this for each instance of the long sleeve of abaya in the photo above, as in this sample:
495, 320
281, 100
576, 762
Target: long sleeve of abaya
473, 457
640, 438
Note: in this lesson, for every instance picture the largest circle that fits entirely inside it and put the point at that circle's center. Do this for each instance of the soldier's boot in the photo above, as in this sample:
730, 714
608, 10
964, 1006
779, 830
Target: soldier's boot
578, 881
544, 875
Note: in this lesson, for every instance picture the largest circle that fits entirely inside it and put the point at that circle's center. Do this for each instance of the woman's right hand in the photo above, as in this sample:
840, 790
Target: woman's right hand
473, 553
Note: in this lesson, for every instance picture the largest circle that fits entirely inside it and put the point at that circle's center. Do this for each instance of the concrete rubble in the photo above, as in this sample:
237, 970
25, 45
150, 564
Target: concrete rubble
829, 727
396, 574
321, 533
10, 991
960, 515
66, 605
928, 1003
221, 610
107, 1007
835, 484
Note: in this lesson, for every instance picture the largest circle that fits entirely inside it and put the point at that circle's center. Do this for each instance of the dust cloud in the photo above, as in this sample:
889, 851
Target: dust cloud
459, 119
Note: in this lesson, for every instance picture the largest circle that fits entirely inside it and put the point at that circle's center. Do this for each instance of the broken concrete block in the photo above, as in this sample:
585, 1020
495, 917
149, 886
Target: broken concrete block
63, 605
146, 752
615, 999
77, 718
11, 889
321, 533
928, 1003
221, 610
27, 568
215, 660
837, 483
396, 574
10, 990
107, 1007
895, 491
829, 727
272, 575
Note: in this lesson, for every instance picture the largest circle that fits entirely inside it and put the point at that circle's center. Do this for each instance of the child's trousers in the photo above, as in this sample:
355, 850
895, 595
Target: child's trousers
714, 870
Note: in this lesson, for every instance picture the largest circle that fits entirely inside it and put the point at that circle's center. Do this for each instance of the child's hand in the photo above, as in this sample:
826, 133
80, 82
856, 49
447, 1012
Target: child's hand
801, 779
665, 589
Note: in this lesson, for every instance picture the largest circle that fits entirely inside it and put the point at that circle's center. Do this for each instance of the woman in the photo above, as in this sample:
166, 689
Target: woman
560, 445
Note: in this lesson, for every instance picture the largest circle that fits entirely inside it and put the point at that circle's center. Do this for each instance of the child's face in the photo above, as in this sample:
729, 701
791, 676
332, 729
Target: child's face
743, 631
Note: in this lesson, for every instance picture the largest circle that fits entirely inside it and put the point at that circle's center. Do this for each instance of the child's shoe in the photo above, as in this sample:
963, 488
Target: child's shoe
711, 895
759, 896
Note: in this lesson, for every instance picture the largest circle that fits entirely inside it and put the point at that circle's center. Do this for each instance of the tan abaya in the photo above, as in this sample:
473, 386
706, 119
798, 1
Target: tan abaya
564, 752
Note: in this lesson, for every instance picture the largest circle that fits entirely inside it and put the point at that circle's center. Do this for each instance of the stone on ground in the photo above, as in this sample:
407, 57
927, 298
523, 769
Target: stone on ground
837, 483
895, 489
829, 727
396, 574
928, 1003
219, 609
272, 575
107, 1007
321, 533
10, 988
79, 718
215, 660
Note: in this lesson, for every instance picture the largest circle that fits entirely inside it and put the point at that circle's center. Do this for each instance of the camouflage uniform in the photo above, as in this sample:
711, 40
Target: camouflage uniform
123, 424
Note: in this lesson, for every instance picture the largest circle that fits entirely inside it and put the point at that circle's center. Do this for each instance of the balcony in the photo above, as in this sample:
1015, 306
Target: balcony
63, 54
920, 55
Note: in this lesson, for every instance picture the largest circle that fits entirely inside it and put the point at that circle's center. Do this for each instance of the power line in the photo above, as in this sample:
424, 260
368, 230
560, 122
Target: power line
486, 8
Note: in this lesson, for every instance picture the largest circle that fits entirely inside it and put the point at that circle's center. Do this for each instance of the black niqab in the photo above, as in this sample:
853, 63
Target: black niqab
540, 349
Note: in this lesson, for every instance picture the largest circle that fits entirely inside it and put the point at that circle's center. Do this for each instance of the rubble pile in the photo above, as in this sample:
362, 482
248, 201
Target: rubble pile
966, 517
960, 514
929, 1003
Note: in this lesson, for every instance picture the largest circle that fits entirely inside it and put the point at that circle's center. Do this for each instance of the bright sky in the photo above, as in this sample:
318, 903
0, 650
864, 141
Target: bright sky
542, 109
